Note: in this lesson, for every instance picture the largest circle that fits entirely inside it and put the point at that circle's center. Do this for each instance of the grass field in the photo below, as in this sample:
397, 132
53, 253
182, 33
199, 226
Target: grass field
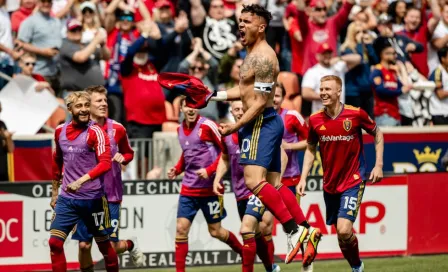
397, 264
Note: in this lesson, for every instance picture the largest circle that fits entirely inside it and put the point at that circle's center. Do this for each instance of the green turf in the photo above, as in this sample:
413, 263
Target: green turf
398, 264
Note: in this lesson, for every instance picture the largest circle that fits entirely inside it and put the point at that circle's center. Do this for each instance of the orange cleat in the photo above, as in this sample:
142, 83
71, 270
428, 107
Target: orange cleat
311, 248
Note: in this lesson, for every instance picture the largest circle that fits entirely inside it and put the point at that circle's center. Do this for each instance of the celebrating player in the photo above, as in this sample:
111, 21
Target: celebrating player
295, 129
337, 129
201, 146
250, 208
83, 150
122, 154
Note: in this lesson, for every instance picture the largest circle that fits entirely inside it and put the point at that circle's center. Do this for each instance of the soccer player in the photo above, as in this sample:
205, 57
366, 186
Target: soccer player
83, 149
122, 154
294, 139
201, 145
250, 208
261, 128
337, 130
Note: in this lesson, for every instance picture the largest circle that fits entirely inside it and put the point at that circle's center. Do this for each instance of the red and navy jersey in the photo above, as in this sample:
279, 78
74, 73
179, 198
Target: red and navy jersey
341, 147
386, 88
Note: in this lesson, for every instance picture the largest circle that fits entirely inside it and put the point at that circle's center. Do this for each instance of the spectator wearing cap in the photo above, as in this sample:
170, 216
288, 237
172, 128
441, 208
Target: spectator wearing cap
217, 31
397, 11
318, 28
175, 39
380, 7
402, 44
357, 83
41, 34
201, 64
438, 103
439, 39
386, 85
419, 28
80, 65
144, 100
327, 65
18, 16
90, 20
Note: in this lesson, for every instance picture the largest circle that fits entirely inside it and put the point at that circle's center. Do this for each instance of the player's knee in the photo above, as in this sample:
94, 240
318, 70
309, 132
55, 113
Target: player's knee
85, 246
181, 229
246, 227
251, 183
56, 245
344, 232
215, 232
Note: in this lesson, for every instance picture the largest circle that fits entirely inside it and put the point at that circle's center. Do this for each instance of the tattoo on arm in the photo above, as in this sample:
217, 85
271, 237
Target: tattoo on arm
263, 69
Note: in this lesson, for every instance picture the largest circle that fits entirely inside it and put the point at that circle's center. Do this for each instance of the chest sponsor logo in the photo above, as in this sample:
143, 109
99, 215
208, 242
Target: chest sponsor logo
337, 138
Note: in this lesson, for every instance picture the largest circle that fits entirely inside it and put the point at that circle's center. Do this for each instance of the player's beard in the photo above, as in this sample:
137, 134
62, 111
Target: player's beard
77, 119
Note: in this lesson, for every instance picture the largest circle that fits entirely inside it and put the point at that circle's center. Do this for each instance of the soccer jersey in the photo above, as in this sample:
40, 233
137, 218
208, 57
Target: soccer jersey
341, 147
232, 148
201, 148
386, 88
295, 128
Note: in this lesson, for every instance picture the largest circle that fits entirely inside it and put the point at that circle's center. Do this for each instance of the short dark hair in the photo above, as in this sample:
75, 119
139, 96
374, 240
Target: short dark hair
280, 85
442, 53
259, 11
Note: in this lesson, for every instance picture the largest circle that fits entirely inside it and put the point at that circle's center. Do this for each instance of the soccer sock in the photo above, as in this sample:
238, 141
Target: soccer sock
263, 251
273, 201
233, 242
110, 256
249, 251
130, 245
58, 261
350, 250
291, 204
181, 253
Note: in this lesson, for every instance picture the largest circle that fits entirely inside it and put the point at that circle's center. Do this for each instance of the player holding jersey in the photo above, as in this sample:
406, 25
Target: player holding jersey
201, 145
294, 139
83, 150
122, 154
250, 208
337, 128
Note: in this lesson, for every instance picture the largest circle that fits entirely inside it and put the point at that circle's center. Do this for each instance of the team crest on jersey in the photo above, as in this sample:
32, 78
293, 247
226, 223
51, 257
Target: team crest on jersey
347, 125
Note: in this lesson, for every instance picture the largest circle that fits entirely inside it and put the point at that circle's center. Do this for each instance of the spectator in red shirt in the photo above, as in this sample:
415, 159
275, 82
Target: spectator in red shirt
419, 28
318, 28
18, 16
144, 100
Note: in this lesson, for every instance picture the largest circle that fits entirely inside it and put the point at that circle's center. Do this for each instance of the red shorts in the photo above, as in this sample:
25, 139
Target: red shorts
291, 181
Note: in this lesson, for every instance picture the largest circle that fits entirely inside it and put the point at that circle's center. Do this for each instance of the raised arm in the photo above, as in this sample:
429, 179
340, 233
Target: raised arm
197, 13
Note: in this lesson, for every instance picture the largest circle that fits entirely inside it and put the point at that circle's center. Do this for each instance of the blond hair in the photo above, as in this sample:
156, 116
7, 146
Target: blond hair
350, 38
75, 96
337, 79
96, 89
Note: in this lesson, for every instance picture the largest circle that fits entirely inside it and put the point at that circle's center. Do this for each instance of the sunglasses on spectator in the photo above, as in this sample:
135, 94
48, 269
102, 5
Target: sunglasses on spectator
390, 53
30, 63
217, 6
78, 29
320, 9
87, 10
47, 1
126, 18
193, 68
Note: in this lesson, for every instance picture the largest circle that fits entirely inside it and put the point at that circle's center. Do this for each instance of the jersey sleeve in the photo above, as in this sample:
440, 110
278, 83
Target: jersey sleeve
57, 161
224, 146
124, 147
211, 134
99, 141
295, 123
313, 138
366, 122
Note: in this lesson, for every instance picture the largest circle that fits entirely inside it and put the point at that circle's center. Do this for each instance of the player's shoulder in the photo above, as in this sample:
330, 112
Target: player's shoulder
58, 129
95, 128
118, 126
379, 66
295, 114
351, 108
212, 126
317, 114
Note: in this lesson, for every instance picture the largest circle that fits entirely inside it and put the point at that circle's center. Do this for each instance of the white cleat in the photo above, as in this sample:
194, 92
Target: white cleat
136, 254
276, 268
308, 268
358, 269
294, 242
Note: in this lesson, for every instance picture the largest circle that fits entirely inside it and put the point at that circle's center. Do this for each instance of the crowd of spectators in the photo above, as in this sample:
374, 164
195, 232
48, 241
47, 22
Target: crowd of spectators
392, 55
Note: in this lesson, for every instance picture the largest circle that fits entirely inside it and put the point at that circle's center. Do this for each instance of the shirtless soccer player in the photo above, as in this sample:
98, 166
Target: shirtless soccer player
122, 154
250, 208
261, 128
201, 147
337, 130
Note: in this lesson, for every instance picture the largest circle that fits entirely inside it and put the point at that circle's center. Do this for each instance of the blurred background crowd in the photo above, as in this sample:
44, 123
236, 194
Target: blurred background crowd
392, 55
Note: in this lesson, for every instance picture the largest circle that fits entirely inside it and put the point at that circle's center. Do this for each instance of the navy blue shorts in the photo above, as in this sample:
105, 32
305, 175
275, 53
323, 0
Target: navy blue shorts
344, 205
211, 206
69, 211
251, 206
82, 234
260, 141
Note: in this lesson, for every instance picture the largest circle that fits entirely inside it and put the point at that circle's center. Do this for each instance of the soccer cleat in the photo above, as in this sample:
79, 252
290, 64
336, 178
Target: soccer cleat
311, 247
358, 269
276, 268
136, 254
295, 240
308, 268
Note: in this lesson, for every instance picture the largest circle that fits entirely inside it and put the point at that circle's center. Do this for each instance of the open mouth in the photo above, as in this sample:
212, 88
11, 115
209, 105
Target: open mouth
242, 35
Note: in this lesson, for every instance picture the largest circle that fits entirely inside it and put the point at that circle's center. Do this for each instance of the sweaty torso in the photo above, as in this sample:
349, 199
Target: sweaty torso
260, 64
